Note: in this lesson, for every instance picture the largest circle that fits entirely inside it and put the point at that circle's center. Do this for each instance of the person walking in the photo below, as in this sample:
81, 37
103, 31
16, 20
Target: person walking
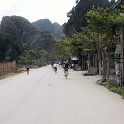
27, 69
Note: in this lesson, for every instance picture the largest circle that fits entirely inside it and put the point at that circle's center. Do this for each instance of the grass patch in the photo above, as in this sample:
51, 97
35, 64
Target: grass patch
112, 86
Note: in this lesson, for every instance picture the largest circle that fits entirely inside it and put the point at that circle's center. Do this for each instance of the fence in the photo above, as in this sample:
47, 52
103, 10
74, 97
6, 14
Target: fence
7, 68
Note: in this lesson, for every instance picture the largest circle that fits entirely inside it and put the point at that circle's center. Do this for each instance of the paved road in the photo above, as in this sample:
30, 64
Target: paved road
43, 97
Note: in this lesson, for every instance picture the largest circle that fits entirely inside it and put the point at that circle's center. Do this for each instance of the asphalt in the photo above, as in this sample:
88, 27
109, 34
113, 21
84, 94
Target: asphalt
43, 97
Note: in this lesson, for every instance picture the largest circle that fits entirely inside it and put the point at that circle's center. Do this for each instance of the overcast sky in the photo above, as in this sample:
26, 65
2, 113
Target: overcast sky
33, 10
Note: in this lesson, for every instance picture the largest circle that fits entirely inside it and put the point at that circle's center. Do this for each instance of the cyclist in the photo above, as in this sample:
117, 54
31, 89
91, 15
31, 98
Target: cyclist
66, 66
55, 67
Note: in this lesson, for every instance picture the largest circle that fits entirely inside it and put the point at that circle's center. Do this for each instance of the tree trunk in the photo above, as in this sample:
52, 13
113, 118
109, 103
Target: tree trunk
100, 61
104, 65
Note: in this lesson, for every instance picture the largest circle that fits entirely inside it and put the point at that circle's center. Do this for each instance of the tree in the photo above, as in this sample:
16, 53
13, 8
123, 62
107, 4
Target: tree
106, 23
63, 48
77, 1
77, 19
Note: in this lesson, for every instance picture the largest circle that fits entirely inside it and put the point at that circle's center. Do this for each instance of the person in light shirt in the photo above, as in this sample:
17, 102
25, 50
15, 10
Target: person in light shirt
55, 67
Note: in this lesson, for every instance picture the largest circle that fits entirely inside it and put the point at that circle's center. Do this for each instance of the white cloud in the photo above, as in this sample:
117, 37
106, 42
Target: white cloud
8, 4
33, 10
9, 7
55, 11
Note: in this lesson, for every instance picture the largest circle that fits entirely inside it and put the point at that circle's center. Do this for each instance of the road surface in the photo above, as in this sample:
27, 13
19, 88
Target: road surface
43, 97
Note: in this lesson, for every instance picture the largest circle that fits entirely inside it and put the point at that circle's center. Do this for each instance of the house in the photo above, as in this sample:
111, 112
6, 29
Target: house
117, 5
74, 60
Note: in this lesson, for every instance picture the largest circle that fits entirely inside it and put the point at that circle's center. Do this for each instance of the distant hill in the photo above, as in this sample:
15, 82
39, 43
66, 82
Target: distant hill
45, 41
77, 16
17, 34
46, 25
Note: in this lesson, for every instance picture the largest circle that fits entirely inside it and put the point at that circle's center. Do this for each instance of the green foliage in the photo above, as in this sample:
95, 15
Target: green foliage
105, 22
112, 86
58, 31
62, 48
77, 16
12, 31
46, 25
45, 41
33, 57
18, 35
77, 1
76, 45
82, 41
22, 60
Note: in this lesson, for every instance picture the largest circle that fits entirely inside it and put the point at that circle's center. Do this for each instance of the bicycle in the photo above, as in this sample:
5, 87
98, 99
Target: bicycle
55, 69
66, 72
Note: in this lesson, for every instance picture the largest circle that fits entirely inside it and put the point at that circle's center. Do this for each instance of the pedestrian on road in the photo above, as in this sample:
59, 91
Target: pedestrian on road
27, 69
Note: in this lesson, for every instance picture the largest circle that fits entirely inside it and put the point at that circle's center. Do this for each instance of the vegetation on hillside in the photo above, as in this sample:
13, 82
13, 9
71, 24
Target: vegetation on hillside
77, 16
46, 25
18, 35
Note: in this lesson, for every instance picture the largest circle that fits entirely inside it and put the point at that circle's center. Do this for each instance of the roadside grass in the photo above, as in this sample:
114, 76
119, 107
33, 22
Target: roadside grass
113, 87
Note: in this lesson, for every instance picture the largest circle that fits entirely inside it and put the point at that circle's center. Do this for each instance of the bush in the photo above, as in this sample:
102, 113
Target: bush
112, 86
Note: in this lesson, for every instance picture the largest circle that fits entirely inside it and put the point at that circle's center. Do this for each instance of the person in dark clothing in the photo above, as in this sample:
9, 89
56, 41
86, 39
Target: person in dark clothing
66, 66
52, 64
27, 68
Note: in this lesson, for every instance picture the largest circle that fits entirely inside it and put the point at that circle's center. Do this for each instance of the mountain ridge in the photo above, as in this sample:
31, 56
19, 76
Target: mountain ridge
46, 25
17, 35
